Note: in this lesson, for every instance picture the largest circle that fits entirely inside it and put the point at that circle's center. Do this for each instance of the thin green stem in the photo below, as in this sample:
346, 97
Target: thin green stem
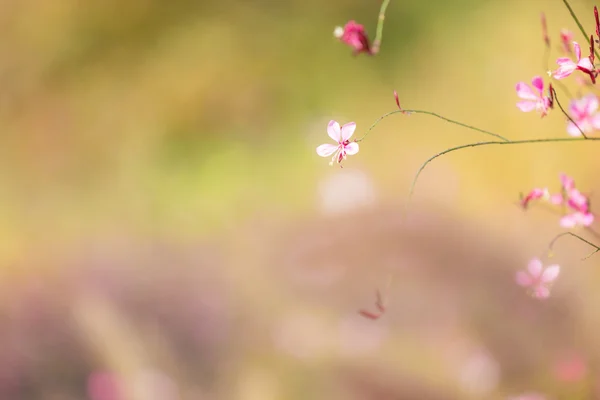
597, 248
433, 115
380, 21
490, 143
587, 37
567, 115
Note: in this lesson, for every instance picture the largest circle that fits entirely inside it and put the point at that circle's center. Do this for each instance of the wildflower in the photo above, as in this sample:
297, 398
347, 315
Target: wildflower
538, 193
531, 100
342, 136
566, 66
537, 278
584, 114
355, 36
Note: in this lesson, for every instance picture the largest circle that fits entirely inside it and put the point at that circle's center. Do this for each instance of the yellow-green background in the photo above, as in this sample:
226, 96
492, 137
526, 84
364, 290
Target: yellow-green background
168, 148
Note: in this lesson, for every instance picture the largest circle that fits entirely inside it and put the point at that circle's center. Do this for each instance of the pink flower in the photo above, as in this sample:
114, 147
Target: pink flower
575, 201
537, 278
584, 114
532, 100
566, 66
342, 136
354, 35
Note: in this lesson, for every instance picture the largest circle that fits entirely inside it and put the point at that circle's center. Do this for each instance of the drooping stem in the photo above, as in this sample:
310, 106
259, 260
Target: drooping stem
491, 143
380, 21
433, 115
597, 248
567, 115
574, 16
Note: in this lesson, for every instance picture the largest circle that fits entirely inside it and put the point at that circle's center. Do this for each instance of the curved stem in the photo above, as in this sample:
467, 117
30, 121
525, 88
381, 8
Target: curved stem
478, 144
433, 115
567, 115
597, 248
587, 37
380, 21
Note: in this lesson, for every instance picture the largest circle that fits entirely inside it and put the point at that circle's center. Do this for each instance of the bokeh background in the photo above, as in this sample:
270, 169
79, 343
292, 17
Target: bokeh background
168, 231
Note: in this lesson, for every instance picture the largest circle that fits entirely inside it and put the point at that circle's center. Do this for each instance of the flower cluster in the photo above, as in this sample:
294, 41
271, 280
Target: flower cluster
576, 206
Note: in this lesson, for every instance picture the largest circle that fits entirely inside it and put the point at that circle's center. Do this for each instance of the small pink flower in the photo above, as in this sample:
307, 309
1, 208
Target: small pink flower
532, 100
576, 201
535, 194
566, 66
355, 36
565, 37
584, 114
342, 136
538, 279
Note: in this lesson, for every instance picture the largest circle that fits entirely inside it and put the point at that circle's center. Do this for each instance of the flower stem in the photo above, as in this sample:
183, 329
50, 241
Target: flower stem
567, 115
490, 143
597, 248
433, 115
579, 24
380, 21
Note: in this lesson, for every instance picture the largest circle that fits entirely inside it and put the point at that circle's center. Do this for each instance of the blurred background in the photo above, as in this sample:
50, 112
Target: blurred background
168, 231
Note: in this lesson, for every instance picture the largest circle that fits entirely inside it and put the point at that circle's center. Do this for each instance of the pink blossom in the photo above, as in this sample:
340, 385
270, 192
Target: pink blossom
343, 147
535, 194
566, 66
584, 114
355, 36
532, 100
577, 202
538, 279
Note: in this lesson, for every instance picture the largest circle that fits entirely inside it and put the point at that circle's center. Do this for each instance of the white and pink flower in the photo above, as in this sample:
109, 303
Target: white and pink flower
532, 100
566, 66
537, 279
584, 113
344, 147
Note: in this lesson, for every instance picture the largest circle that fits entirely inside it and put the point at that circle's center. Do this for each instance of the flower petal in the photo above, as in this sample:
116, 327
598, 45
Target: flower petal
573, 130
586, 64
351, 148
568, 221
535, 267
525, 92
523, 279
334, 131
565, 70
587, 219
325, 150
577, 50
538, 83
348, 130
526, 105
567, 182
591, 104
550, 273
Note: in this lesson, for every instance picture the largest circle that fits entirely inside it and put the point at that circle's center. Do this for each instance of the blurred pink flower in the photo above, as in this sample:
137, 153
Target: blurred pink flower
566, 66
537, 278
584, 113
528, 396
354, 35
565, 37
577, 202
105, 386
532, 100
342, 136
570, 369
